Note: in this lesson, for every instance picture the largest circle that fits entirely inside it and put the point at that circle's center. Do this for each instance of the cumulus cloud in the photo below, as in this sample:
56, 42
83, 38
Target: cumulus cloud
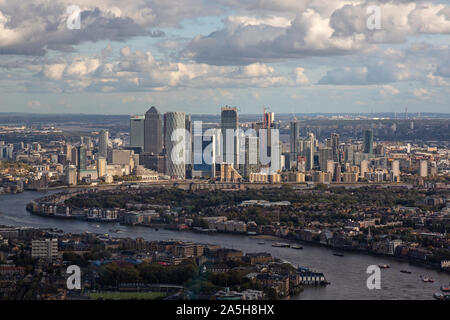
34, 27
387, 90
329, 28
420, 92
140, 71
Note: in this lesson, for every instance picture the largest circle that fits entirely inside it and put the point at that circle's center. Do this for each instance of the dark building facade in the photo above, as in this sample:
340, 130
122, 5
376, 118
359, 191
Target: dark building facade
153, 132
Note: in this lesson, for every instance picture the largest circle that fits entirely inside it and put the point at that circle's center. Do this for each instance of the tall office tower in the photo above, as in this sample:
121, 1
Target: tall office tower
335, 147
153, 132
364, 168
269, 118
68, 151
337, 177
189, 157
207, 154
330, 167
103, 141
87, 142
230, 121
175, 150
82, 157
137, 134
423, 170
74, 157
251, 156
396, 168
101, 167
308, 151
71, 175
293, 142
348, 154
368, 141
325, 154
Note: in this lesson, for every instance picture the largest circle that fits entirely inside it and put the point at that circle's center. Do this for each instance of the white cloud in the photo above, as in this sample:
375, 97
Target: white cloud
387, 90
420, 92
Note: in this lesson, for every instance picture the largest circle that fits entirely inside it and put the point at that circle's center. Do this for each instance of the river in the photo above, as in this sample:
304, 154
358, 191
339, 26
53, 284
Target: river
347, 274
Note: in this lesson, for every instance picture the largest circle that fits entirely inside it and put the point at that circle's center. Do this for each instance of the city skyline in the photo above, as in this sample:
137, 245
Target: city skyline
290, 56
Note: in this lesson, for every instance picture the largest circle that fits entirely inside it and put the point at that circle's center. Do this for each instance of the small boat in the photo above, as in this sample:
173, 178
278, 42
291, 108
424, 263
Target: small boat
383, 266
445, 288
97, 226
441, 296
261, 242
405, 271
426, 279
297, 247
281, 245
338, 254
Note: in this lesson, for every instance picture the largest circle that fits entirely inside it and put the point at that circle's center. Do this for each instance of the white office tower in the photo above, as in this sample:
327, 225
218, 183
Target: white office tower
396, 168
364, 168
395, 172
423, 170
103, 141
71, 175
174, 138
101, 167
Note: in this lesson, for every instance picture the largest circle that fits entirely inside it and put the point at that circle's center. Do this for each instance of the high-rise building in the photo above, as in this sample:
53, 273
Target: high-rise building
325, 154
82, 157
175, 150
189, 158
137, 132
153, 132
396, 168
348, 154
368, 141
251, 159
269, 118
293, 142
337, 176
364, 168
335, 147
101, 167
230, 121
423, 170
103, 140
207, 167
307, 150
71, 175
68, 152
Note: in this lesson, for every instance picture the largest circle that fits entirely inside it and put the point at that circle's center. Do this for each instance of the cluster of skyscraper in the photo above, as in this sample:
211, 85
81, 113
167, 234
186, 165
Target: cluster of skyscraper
151, 135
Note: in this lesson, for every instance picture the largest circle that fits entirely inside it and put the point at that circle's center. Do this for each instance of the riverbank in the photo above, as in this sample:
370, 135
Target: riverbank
347, 275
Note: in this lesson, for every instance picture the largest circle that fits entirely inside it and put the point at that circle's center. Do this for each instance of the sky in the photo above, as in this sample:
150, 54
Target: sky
195, 56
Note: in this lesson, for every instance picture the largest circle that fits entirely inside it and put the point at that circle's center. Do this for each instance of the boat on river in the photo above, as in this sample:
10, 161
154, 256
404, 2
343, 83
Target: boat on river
405, 271
281, 245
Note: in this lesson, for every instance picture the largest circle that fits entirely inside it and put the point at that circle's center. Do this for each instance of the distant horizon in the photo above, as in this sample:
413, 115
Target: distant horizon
399, 114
